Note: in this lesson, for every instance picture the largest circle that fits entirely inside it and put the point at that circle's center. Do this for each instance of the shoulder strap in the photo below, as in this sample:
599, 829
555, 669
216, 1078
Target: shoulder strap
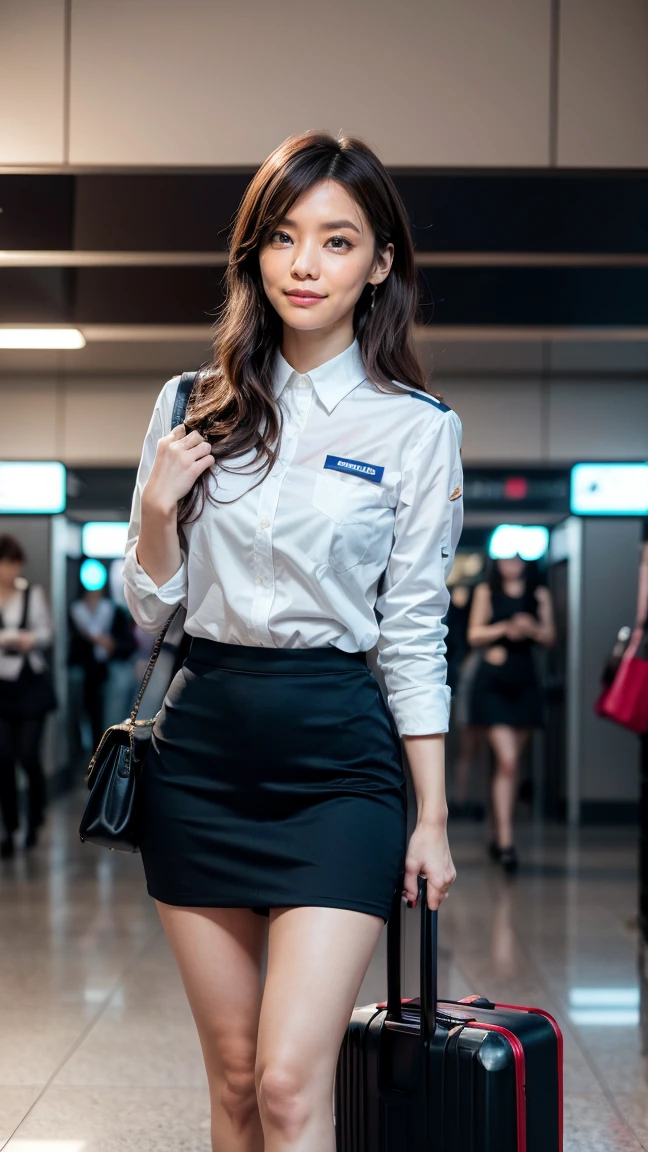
23, 622
185, 385
25, 610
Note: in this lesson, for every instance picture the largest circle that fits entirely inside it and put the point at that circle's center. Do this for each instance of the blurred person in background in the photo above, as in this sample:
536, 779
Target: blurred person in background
100, 631
461, 667
26, 693
511, 611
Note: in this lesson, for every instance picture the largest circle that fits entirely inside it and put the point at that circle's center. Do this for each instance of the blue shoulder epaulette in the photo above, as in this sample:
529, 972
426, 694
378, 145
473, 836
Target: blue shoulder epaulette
431, 400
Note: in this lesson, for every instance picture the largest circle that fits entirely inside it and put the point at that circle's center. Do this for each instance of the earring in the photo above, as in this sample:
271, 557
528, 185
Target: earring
373, 297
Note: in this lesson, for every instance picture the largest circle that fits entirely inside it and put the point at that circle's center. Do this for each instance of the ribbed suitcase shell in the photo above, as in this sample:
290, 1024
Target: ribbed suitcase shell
487, 1079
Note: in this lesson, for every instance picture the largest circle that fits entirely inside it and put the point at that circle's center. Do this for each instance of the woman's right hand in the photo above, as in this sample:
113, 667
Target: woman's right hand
179, 461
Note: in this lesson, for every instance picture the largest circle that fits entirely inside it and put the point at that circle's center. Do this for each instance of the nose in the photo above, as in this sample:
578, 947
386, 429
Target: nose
306, 260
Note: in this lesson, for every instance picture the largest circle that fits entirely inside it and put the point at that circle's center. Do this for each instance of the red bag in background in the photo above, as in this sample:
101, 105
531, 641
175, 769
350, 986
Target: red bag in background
611, 668
626, 700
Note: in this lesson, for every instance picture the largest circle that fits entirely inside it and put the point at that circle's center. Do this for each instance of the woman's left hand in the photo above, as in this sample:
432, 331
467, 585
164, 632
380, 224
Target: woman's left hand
428, 855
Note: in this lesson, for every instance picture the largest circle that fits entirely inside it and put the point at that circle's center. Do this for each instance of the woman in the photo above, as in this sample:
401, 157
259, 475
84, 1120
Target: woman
274, 785
25, 629
510, 612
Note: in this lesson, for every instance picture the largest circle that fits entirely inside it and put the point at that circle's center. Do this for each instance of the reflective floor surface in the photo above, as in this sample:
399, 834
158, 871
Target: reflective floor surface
98, 1050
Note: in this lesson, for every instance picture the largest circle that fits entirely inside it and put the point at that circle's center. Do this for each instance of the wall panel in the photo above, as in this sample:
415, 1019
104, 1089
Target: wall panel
31, 81
501, 419
603, 101
425, 81
106, 424
30, 424
603, 420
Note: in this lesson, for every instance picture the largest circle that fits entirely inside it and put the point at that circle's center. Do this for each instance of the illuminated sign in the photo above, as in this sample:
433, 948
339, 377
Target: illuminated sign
41, 338
609, 489
105, 538
32, 486
528, 541
93, 575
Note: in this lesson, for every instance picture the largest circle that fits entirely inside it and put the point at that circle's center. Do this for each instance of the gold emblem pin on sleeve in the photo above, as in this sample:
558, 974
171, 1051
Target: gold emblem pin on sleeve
456, 494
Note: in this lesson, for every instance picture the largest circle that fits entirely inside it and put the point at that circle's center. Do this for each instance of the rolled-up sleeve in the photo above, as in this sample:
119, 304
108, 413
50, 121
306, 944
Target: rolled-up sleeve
149, 604
414, 598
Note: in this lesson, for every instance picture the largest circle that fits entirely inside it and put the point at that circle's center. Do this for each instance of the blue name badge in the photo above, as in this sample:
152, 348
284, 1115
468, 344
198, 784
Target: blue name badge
357, 467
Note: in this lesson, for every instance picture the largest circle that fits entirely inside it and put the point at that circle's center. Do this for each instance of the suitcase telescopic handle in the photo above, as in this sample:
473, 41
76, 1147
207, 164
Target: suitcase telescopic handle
428, 963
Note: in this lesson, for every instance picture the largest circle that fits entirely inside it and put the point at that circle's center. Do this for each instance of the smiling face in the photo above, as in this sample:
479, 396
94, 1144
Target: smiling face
319, 258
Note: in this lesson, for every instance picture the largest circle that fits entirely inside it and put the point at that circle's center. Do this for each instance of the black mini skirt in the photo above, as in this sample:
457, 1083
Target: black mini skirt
507, 694
274, 779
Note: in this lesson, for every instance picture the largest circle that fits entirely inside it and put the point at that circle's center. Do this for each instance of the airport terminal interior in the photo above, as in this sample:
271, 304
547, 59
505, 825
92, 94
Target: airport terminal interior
518, 142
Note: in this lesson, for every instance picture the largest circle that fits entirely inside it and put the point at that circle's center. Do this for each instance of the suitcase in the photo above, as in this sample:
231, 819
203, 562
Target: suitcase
426, 1076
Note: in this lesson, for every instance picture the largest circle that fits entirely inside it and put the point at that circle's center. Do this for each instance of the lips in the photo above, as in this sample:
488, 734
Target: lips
305, 295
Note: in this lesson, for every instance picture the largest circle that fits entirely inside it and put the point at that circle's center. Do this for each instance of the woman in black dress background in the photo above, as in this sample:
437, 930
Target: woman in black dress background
511, 611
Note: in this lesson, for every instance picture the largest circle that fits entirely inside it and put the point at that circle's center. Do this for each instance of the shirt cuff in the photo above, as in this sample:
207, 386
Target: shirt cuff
423, 711
171, 592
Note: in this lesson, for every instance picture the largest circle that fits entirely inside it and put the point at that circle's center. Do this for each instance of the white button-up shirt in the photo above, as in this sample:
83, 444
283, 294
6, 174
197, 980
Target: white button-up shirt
347, 541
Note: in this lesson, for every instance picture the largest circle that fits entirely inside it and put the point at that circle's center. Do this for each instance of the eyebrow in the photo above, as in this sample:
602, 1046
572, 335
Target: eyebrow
327, 226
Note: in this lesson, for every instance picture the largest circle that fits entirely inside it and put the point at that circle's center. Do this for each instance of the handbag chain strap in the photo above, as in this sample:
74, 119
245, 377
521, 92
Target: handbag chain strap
149, 670
132, 721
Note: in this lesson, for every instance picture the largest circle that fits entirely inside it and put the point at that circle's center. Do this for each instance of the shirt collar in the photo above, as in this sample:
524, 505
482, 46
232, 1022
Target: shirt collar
332, 380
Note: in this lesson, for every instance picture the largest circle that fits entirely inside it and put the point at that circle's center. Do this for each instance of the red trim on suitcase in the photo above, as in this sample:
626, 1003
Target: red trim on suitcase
520, 1075
560, 1045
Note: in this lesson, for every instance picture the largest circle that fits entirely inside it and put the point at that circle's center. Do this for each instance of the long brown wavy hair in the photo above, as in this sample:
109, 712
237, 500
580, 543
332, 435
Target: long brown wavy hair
233, 403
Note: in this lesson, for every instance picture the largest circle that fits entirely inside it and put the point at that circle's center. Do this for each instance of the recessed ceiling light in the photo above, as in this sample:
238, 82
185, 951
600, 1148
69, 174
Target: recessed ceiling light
41, 338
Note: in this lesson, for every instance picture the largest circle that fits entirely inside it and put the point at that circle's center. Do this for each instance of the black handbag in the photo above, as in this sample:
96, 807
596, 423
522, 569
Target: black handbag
31, 695
111, 815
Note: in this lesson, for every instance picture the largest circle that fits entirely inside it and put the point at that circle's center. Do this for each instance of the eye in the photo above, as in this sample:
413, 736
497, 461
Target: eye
281, 235
343, 239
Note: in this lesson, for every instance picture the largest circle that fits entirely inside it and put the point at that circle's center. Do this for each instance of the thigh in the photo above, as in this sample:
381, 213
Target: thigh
503, 741
317, 959
219, 952
521, 738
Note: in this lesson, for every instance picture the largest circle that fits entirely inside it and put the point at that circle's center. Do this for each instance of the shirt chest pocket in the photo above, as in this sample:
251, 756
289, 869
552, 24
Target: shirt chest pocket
355, 521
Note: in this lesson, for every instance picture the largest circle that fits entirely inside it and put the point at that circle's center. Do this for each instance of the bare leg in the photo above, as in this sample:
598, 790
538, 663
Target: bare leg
219, 952
507, 744
317, 958
521, 739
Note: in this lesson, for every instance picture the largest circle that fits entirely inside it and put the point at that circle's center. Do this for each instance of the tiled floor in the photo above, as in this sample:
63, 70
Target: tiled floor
98, 1051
